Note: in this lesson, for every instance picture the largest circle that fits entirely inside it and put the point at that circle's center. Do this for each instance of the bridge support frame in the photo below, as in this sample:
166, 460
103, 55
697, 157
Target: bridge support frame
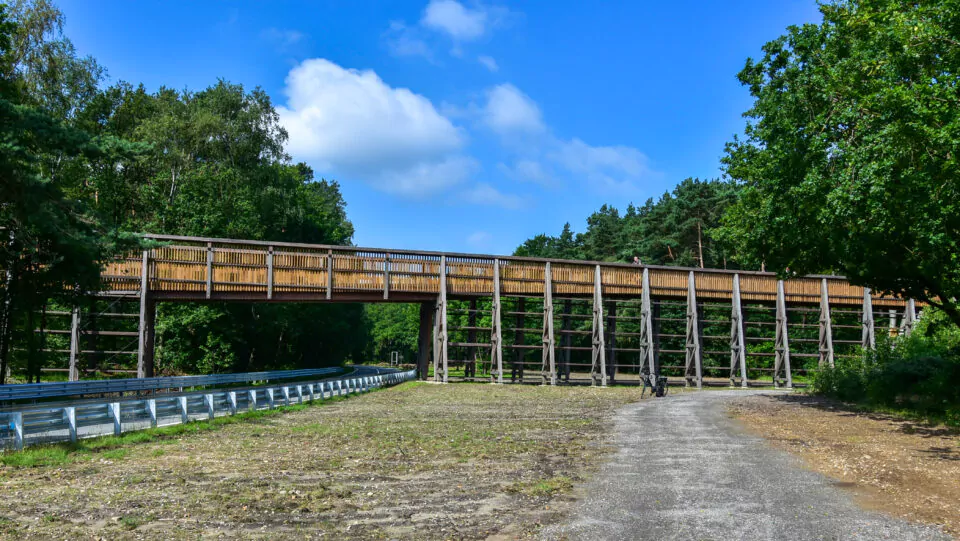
909, 318
647, 346
424, 342
598, 372
549, 368
869, 339
496, 333
440, 360
693, 372
782, 375
826, 328
74, 370
148, 317
738, 350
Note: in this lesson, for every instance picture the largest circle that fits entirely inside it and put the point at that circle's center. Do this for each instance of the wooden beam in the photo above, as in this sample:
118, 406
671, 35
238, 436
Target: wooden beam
647, 354
386, 277
496, 335
209, 284
329, 274
909, 318
270, 272
782, 375
442, 314
74, 374
869, 338
826, 327
549, 368
148, 317
598, 372
693, 373
738, 350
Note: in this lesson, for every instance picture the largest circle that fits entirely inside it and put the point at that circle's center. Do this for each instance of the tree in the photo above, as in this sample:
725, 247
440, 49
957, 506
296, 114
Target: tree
849, 157
51, 244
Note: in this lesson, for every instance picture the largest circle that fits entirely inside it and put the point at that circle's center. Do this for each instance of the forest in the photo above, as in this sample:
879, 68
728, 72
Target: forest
832, 174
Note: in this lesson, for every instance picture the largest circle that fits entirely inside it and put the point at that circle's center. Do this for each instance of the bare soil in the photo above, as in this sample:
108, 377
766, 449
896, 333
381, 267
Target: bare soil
424, 461
900, 467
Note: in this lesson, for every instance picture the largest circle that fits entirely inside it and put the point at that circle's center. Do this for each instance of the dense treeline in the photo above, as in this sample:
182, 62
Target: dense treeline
85, 167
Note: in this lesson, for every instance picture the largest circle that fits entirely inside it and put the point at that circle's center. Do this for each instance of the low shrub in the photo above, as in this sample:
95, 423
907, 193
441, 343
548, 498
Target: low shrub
918, 374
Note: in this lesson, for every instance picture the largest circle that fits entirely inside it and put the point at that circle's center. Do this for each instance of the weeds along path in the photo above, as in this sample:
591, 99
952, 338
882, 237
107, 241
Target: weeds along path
686, 470
464, 461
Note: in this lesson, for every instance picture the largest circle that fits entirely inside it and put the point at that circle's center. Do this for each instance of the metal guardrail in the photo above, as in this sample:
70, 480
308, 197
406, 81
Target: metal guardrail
68, 423
35, 391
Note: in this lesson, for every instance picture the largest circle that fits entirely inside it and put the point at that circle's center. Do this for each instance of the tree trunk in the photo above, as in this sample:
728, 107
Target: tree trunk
700, 243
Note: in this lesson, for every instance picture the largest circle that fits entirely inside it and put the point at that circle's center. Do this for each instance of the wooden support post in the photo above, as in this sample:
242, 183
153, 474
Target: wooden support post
909, 318
611, 328
209, 288
738, 350
70, 416
440, 359
892, 315
269, 272
74, 374
549, 367
646, 329
424, 341
566, 340
826, 327
869, 338
656, 322
386, 277
148, 313
782, 375
598, 372
693, 372
496, 335
114, 409
329, 274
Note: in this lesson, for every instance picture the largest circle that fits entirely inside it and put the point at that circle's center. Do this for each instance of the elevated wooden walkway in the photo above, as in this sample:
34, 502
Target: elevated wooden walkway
192, 268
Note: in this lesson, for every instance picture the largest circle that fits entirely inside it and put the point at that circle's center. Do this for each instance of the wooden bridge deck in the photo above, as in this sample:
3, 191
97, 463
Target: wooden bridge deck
192, 268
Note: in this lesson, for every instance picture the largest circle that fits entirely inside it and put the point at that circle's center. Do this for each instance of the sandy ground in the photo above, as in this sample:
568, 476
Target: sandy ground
423, 461
900, 467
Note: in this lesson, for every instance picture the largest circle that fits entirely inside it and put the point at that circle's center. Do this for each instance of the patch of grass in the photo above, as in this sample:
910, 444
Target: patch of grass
114, 454
37, 457
132, 522
542, 488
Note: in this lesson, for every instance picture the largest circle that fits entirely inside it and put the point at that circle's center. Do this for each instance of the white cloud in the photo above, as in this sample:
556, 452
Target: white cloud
485, 194
488, 62
405, 41
510, 111
611, 167
282, 39
455, 20
526, 170
352, 123
480, 239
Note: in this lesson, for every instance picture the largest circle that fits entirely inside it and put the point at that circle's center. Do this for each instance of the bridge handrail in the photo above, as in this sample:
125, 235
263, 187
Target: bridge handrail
35, 391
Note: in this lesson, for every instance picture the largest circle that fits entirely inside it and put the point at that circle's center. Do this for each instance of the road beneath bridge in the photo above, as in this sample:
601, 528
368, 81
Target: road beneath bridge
685, 470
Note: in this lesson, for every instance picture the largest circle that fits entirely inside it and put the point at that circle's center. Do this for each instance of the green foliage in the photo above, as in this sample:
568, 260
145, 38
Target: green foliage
918, 374
849, 160
396, 328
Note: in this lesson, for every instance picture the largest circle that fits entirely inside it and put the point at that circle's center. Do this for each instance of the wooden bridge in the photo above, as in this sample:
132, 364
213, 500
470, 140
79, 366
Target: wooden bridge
456, 290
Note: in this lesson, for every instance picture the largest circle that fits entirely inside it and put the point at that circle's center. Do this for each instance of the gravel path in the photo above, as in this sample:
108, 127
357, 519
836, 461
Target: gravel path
684, 470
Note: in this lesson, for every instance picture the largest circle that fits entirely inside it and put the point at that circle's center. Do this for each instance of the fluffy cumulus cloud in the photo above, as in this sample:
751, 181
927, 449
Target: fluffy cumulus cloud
613, 167
509, 111
352, 123
455, 20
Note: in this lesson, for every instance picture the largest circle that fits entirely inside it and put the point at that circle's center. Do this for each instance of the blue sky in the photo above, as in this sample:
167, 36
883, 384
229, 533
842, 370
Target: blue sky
465, 126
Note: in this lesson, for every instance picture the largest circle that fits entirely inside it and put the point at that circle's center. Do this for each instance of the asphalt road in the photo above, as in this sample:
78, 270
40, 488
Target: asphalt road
684, 470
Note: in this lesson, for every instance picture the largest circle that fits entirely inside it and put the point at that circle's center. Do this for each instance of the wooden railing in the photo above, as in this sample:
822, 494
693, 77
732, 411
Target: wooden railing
192, 268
